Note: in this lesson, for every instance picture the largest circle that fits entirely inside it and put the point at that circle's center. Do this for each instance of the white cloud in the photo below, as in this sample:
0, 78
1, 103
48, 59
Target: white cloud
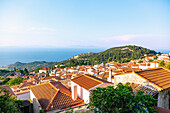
41, 29
130, 37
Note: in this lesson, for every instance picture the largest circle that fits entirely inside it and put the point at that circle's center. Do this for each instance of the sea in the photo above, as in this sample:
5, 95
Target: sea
11, 55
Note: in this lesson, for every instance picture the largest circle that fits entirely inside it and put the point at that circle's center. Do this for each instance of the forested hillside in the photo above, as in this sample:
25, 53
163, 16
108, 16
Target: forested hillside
31, 66
117, 54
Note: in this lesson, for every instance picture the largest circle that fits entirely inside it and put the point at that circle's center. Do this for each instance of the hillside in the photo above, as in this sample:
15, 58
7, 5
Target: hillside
31, 65
117, 54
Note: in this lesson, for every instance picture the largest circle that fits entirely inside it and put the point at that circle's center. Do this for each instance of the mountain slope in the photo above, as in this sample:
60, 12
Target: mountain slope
117, 54
31, 65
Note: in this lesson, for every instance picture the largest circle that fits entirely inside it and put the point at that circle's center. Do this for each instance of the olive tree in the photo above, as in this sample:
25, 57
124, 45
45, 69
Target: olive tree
120, 100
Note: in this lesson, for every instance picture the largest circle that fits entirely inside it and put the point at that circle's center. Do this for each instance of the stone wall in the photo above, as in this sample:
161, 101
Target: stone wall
130, 77
36, 106
163, 99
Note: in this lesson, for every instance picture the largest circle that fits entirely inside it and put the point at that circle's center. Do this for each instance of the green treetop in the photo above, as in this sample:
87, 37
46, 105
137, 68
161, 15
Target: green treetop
120, 100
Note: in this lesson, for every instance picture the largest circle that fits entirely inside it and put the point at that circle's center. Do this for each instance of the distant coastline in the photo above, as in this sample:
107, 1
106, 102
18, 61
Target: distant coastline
26, 55
11, 56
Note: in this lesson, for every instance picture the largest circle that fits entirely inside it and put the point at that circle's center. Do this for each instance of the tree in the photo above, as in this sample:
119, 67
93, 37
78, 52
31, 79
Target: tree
162, 63
120, 100
5, 80
21, 71
47, 74
15, 69
72, 62
37, 70
168, 65
26, 71
15, 81
8, 104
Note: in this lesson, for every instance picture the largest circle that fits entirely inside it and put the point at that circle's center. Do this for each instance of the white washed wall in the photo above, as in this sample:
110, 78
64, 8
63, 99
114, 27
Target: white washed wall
31, 95
24, 96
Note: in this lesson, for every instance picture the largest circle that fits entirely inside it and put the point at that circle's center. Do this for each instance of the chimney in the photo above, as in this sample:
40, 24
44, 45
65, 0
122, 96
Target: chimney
74, 93
110, 76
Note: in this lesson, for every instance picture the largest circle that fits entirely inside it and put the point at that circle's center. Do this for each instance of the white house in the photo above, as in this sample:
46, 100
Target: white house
52, 96
43, 70
154, 64
156, 78
83, 84
22, 91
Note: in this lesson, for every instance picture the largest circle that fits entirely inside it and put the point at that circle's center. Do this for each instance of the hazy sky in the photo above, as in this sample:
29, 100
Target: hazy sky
85, 23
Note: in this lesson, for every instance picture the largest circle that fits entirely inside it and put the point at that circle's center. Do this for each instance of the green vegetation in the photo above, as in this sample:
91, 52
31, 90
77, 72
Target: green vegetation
6, 73
150, 60
9, 104
140, 61
31, 66
118, 54
162, 63
4, 81
168, 65
120, 100
15, 81
41, 111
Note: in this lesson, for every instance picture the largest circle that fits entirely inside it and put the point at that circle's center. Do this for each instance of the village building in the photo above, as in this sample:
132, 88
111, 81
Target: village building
43, 70
164, 56
8, 88
156, 79
50, 78
51, 97
22, 91
83, 84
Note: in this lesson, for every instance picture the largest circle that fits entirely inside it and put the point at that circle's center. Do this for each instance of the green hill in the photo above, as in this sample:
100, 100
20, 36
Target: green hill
31, 65
117, 54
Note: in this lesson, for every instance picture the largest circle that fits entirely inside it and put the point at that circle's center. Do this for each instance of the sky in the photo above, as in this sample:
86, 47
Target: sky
85, 23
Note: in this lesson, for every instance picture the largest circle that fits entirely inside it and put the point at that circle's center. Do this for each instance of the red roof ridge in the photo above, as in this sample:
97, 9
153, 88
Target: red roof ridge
94, 79
38, 85
53, 96
58, 90
150, 69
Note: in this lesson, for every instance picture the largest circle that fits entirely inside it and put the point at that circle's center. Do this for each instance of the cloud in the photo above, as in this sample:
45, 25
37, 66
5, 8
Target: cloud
130, 37
41, 29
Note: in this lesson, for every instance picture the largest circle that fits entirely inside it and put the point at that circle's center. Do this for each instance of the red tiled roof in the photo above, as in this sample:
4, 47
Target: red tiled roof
87, 81
147, 90
8, 89
61, 96
158, 76
44, 69
51, 77
161, 110
26, 84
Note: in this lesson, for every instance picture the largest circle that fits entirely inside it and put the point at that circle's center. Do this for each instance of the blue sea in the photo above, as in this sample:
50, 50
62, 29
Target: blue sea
25, 55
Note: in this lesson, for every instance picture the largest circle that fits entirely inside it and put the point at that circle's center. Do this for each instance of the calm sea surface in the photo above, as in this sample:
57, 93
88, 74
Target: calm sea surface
25, 55
12, 55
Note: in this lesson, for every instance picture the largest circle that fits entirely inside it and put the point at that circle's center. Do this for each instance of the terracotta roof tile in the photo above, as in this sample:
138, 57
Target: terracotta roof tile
63, 100
51, 77
161, 110
88, 81
61, 96
43, 93
158, 76
44, 69
26, 84
8, 89
147, 90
